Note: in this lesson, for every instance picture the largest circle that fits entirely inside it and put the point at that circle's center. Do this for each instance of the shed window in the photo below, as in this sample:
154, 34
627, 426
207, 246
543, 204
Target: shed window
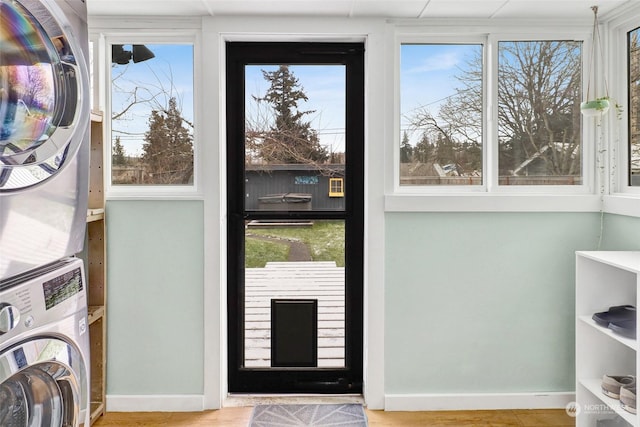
336, 187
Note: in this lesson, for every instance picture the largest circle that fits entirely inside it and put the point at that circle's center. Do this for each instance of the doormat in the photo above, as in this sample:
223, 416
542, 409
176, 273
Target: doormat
351, 415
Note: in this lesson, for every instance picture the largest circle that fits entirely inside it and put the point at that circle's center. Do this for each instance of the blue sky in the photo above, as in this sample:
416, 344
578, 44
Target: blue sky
427, 75
170, 73
324, 85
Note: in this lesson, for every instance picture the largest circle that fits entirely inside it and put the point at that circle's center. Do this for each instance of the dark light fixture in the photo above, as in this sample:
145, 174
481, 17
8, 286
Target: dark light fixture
141, 53
120, 56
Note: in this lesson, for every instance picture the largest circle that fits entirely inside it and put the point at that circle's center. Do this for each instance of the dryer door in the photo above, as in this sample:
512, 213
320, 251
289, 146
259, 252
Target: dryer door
43, 384
43, 88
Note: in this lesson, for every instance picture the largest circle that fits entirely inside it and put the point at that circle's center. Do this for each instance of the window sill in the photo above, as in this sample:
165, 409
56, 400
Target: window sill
622, 204
153, 195
483, 202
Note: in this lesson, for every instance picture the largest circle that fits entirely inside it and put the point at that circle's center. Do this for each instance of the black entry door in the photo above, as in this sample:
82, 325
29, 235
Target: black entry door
295, 184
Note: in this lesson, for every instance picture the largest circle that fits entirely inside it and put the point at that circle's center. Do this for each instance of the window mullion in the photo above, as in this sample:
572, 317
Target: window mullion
491, 107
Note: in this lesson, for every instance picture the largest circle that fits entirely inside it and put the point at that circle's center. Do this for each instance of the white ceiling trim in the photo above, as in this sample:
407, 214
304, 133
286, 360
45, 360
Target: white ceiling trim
394, 9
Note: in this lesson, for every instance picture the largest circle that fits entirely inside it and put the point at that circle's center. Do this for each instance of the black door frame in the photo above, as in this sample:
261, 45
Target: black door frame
296, 380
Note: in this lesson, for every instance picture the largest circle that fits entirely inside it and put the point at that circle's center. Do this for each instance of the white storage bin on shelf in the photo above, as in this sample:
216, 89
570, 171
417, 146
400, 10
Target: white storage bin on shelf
603, 279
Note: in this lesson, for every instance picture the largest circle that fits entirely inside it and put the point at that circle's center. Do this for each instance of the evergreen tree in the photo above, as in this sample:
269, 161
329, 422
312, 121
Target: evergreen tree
445, 150
118, 156
422, 152
406, 150
290, 139
168, 148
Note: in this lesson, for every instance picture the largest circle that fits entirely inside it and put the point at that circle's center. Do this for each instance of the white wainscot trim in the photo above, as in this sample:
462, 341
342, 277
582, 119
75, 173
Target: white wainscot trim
482, 202
479, 401
155, 403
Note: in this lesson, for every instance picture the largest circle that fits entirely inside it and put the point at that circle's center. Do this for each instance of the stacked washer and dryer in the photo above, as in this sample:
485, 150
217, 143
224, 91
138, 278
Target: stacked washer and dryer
44, 151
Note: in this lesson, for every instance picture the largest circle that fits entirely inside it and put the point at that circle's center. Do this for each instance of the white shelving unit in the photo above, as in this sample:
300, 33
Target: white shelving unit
603, 279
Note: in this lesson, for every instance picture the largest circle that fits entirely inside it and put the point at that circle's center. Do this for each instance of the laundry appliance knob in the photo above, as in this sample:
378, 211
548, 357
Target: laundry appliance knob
9, 317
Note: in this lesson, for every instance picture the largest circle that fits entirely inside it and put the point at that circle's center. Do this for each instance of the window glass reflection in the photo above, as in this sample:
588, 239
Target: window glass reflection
634, 107
152, 125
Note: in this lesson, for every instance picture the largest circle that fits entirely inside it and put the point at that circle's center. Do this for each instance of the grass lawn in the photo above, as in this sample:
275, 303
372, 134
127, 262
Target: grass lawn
325, 241
258, 252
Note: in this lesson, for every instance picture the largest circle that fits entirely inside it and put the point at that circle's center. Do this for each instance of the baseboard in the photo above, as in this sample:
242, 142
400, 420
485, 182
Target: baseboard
479, 401
393, 402
155, 403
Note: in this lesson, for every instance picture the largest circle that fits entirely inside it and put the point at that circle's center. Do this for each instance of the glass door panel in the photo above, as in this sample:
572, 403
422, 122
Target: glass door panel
295, 262
294, 136
294, 155
295, 113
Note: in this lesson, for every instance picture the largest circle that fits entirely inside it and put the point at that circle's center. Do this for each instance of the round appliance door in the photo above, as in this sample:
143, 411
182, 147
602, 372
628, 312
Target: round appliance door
43, 93
41, 384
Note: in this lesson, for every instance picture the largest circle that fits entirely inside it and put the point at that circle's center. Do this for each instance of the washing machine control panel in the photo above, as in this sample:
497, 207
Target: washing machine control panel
59, 288
9, 317
46, 298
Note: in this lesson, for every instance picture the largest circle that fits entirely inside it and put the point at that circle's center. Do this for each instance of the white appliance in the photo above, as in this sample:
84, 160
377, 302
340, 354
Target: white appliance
44, 348
44, 132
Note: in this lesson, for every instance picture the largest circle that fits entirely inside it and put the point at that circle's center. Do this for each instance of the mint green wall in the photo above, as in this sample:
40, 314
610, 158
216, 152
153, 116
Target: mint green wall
475, 302
155, 297
482, 302
621, 233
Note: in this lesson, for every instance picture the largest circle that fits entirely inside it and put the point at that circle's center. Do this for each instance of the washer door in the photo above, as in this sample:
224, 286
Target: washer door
43, 87
42, 384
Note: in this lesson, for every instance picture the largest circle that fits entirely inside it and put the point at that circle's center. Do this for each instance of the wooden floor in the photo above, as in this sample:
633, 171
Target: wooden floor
325, 282
239, 417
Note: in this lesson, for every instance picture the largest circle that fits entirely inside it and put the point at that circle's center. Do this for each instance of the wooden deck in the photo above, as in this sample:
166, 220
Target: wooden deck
309, 280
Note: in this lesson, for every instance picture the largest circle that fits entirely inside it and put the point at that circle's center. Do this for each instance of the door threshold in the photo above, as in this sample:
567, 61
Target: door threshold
237, 400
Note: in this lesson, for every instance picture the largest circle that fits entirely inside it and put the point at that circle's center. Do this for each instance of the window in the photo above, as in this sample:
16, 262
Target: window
336, 187
524, 129
152, 119
441, 114
633, 52
539, 133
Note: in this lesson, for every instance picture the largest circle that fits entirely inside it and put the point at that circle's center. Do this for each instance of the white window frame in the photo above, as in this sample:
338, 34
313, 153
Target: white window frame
619, 130
152, 36
588, 185
402, 39
490, 197
621, 199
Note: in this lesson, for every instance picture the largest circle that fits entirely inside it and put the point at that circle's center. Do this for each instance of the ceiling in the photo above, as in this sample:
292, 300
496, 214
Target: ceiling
401, 9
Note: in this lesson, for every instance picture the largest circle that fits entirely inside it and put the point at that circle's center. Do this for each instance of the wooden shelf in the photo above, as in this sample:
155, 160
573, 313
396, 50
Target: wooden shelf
97, 410
96, 269
96, 116
96, 312
95, 214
